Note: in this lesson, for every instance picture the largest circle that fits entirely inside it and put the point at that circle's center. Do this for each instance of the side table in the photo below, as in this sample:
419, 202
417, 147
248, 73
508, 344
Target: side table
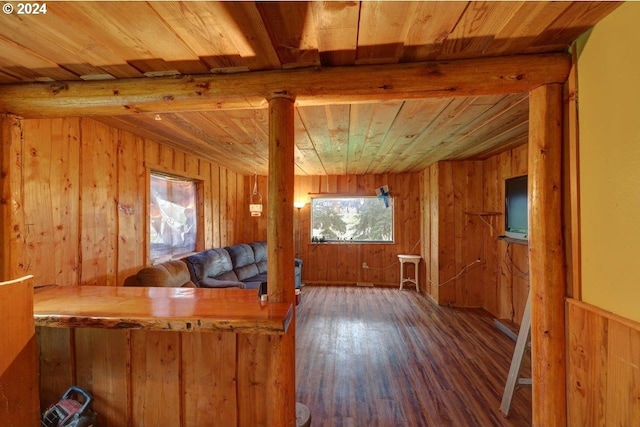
415, 260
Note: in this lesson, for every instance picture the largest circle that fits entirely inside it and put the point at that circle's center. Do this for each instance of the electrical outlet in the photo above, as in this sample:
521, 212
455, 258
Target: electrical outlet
365, 265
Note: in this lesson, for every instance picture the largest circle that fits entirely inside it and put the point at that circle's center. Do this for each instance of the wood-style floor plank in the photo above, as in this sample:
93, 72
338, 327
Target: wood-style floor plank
385, 357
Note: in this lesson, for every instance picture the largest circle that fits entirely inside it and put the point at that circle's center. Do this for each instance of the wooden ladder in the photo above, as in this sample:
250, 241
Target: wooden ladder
522, 343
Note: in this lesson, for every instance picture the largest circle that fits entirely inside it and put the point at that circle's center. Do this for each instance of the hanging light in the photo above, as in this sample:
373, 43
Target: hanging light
255, 207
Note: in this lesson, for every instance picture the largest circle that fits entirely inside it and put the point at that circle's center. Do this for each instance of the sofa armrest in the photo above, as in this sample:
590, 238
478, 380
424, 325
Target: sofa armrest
298, 272
169, 274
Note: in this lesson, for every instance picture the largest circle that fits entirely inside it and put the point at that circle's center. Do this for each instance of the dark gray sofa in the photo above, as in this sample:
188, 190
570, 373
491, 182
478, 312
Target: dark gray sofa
237, 266
242, 266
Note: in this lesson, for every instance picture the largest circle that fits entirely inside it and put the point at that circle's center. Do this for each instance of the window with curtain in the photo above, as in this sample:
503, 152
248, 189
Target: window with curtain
172, 216
351, 219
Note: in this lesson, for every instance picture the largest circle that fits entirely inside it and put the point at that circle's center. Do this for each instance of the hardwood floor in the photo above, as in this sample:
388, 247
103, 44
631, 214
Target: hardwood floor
385, 357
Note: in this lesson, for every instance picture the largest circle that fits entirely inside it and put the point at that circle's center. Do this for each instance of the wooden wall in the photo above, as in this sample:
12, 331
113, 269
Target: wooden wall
603, 375
341, 263
505, 272
462, 217
455, 191
78, 217
82, 208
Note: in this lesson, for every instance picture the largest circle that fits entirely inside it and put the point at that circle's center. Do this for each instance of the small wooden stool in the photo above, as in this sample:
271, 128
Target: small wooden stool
415, 259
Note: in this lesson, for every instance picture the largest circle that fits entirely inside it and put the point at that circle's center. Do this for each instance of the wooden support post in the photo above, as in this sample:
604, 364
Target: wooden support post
546, 257
281, 403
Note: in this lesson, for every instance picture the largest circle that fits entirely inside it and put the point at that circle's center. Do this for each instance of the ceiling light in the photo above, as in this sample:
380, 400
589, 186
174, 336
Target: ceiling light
165, 73
94, 77
157, 117
229, 70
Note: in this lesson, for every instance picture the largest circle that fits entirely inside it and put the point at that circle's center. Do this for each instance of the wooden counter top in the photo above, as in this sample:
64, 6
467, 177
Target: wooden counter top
159, 309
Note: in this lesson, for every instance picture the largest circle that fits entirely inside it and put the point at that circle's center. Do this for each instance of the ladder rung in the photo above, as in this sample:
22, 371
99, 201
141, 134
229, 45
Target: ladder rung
524, 381
522, 343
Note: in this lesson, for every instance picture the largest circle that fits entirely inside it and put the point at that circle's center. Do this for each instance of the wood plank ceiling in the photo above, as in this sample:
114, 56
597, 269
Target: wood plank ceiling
115, 40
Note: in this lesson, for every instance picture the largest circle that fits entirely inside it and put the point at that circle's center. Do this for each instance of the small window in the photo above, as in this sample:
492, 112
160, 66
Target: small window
172, 216
351, 219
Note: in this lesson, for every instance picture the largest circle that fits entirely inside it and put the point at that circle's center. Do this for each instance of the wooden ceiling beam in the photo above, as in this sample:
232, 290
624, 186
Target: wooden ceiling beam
310, 86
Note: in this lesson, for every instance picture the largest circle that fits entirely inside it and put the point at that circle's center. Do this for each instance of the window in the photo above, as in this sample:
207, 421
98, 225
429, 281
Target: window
351, 219
172, 216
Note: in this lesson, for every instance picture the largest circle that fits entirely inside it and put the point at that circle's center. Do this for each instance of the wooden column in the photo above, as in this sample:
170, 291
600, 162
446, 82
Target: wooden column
546, 257
281, 383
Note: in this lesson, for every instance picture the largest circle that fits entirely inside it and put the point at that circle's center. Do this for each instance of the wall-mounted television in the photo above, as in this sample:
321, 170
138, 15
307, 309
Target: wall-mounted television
516, 208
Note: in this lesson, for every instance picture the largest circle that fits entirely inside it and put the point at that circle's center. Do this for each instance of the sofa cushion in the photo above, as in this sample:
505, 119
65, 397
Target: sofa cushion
246, 272
260, 255
244, 263
171, 274
211, 263
241, 255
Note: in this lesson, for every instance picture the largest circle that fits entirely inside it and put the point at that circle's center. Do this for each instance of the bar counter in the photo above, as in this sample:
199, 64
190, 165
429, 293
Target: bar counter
159, 309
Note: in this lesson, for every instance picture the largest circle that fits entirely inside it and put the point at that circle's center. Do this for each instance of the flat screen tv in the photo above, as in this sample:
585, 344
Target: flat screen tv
516, 208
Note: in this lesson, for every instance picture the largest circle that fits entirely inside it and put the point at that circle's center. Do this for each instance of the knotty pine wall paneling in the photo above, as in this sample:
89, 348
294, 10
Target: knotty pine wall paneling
224, 196
49, 182
493, 227
130, 205
456, 236
82, 187
203, 382
452, 196
155, 378
98, 193
104, 369
214, 206
603, 377
425, 231
505, 274
434, 261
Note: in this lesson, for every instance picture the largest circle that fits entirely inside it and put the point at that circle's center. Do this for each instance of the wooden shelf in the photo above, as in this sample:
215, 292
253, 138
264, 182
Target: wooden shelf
512, 240
159, 309
484, 213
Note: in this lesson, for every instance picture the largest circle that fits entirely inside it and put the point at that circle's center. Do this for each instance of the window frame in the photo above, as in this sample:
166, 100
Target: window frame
199, 214
350, 241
